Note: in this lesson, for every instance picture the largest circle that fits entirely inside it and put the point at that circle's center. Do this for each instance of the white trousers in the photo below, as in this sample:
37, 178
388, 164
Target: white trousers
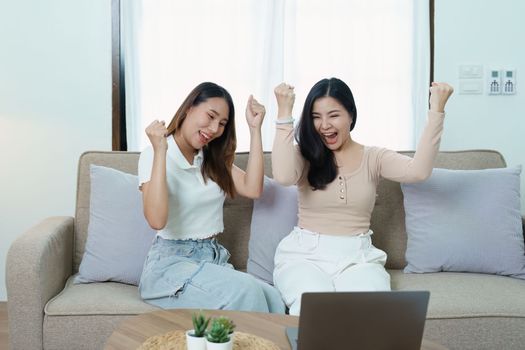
306, 261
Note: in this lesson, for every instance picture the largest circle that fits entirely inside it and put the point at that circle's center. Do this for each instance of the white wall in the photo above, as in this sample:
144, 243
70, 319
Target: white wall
490, 33
55, 103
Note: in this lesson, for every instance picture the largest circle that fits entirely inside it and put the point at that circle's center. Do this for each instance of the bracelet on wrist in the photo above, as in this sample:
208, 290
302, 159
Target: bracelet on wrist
288, 120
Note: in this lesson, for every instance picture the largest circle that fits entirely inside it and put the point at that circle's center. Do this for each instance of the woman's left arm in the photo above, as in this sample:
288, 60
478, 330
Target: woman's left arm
249, 183
401, 168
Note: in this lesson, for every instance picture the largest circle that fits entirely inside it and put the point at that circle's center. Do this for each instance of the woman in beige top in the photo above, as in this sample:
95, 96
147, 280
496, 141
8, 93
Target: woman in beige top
331, 249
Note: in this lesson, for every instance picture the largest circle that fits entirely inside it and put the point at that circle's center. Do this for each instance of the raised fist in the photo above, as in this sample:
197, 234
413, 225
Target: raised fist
255, 113
285, 99
157, 134
439, 94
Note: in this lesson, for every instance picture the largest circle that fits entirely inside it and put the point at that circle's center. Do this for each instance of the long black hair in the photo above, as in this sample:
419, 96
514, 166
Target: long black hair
219, 153
323, 168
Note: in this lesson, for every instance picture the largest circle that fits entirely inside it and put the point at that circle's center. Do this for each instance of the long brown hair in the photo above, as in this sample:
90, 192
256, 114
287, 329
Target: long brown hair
220, 152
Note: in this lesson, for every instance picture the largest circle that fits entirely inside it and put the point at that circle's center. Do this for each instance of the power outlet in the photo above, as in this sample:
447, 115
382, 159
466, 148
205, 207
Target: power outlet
494, 82
508, 86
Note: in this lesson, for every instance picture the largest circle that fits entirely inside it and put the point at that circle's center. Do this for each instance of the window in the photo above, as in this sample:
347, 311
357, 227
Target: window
380, 48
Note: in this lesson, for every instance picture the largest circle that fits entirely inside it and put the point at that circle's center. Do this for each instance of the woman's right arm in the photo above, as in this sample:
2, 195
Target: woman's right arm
155, 191
287, 162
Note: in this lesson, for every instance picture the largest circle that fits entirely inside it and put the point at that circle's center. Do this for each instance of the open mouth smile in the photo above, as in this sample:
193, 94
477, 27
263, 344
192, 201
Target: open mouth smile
204, 137
329, 138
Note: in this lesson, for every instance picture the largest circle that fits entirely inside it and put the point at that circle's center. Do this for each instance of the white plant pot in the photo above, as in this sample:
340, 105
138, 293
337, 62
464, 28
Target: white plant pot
195, 343
220, 346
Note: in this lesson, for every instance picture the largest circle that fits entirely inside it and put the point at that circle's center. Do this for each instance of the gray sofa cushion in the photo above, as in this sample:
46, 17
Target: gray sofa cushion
457, 295
388, 217
274, 216
119, 236
465, 221
106, 298
123, 161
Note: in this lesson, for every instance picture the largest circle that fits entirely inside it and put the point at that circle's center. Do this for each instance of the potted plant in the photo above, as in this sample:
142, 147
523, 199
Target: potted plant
227, 323
195, 338
220, 335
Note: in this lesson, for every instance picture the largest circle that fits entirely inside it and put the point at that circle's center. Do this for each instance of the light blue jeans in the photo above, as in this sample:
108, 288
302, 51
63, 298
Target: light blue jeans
196, 274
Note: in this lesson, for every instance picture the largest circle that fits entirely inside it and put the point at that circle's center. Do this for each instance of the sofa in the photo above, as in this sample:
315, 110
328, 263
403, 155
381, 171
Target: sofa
46, 310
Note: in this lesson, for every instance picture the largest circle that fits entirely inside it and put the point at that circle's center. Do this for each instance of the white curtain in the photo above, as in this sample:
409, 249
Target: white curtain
380, 48
421, 69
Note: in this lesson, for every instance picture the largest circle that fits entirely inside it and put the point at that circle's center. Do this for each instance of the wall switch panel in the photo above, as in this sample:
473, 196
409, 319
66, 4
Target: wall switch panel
470, 71
471, 86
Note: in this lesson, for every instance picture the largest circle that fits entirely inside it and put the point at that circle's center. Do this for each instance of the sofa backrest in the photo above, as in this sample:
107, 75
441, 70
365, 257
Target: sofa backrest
237, 211
388, 221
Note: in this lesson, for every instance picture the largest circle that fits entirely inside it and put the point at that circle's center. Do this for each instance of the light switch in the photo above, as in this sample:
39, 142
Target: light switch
470, 71
471, 86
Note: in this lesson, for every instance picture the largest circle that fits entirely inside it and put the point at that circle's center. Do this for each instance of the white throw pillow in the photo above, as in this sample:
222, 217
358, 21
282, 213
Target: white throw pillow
465, 221
274, 216
119, 236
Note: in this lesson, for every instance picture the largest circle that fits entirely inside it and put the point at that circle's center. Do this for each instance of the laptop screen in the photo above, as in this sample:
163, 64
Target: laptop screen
361, 320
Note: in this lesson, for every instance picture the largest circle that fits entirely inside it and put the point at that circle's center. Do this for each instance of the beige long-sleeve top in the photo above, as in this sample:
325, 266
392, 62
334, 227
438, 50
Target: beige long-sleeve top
345, 206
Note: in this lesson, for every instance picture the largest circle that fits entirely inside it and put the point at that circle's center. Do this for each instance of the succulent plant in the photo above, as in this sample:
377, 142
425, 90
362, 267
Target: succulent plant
218, 333
200, 323
227, 323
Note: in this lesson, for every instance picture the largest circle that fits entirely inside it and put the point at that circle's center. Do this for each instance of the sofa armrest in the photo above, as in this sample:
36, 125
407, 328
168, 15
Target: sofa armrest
37, 267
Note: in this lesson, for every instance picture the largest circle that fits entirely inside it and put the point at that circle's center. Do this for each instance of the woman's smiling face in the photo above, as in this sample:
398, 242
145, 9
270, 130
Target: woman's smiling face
205, 122
332, 121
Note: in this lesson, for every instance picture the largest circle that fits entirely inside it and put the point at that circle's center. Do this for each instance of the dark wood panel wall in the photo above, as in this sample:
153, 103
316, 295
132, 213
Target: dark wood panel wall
118, 118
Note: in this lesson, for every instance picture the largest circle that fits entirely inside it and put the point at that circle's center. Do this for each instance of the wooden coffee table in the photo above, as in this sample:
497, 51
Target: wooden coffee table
132, 332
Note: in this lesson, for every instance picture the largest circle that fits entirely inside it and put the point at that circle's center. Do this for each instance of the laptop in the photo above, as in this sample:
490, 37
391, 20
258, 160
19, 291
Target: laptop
360, 320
